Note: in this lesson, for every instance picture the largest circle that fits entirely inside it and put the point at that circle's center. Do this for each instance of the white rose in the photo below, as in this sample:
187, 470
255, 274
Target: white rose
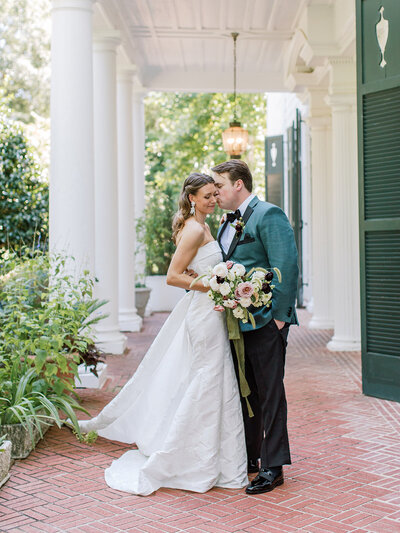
245, 302
238, 312
229, 303
220, 270
258, 275
238, 269
231, 275
224, 289
214, 284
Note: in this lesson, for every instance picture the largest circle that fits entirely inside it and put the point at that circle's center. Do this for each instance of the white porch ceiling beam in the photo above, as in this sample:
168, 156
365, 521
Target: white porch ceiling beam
214, 81
175, 26
247, 20
153, 33
302, 6
222, 14
197, 14
119, 19
184, 33
271, 21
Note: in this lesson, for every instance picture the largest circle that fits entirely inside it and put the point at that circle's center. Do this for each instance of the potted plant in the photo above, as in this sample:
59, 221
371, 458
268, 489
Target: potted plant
91, 368
29, 405
142, 295
5, 459
44, 329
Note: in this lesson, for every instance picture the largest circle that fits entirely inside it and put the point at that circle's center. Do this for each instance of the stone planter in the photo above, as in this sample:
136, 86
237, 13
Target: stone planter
22, 444
5, 461
163, 297
142, 295
87, 380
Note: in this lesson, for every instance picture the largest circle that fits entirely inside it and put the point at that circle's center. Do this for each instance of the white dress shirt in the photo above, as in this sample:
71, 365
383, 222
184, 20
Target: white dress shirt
229, 233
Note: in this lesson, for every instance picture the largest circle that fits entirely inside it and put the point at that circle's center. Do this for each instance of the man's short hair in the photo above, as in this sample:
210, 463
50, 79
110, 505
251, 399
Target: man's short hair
237, 170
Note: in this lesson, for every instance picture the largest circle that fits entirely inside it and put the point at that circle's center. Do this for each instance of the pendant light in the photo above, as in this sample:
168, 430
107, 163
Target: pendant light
235, 138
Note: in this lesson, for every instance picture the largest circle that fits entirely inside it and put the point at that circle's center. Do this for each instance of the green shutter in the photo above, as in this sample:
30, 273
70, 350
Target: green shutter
378, 89
274, 170
381, 130
294, 194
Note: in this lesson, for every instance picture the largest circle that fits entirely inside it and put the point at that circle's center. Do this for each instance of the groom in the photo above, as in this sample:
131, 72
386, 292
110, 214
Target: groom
265, 240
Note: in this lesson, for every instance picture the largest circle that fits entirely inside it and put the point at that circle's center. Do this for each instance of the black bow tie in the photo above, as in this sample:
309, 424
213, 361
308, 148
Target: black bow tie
231, 217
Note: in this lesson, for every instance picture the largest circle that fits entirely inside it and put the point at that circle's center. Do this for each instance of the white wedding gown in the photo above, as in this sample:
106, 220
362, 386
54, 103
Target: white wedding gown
181, 407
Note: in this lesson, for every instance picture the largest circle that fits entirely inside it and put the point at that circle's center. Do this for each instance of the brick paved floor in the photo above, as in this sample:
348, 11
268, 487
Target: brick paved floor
345, 474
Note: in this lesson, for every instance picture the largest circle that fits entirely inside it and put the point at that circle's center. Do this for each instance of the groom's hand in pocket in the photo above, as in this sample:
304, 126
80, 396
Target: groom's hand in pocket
279, 324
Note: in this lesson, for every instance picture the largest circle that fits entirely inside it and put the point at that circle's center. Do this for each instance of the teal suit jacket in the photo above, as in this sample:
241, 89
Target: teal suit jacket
267, 241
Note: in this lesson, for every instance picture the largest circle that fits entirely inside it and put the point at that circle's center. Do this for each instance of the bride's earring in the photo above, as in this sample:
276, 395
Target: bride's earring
193, 208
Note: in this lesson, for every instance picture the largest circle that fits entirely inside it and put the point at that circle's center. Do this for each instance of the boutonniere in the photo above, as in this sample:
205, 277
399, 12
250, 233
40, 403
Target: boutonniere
239, 227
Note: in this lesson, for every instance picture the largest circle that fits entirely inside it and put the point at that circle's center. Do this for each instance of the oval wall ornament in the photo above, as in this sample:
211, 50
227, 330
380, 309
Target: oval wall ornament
382, 33
273, 153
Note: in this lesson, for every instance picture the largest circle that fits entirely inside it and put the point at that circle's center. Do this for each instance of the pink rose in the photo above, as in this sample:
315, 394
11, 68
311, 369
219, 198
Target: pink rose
244, 290
229, 264
219, 308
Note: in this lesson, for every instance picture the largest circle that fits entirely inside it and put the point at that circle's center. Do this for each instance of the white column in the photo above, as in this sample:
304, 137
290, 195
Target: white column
129, 320
321, 207
138, 165
345, 276
109, 338
72, 166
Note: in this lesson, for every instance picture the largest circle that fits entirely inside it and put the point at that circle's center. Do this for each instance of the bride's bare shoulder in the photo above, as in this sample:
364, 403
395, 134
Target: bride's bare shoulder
192, 233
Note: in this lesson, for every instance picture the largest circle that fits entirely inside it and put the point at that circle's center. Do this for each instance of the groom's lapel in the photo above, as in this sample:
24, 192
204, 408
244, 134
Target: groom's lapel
245, 217
219, 235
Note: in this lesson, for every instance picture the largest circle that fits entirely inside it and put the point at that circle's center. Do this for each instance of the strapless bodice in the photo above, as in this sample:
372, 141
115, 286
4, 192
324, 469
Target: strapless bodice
208, 255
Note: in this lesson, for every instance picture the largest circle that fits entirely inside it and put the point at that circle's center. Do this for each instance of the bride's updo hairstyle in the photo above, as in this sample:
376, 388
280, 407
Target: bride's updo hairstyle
191, 185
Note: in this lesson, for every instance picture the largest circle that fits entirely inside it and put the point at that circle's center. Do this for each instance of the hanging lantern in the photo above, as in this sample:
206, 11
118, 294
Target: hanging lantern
235, 138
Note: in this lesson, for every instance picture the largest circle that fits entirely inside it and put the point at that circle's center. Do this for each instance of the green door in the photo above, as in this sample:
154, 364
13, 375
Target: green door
294, 194
378, 99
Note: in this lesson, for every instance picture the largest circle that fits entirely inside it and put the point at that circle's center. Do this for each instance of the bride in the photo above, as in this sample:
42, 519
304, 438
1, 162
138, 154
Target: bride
181, 407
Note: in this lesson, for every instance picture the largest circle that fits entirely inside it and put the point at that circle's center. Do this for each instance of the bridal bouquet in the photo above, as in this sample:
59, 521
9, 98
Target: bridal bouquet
234, 290
231, 287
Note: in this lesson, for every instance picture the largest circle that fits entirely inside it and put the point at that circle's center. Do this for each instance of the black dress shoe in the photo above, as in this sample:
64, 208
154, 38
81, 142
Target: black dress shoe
252, 466
264, 482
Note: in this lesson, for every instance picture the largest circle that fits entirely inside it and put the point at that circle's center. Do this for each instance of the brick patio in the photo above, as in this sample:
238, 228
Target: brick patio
345, 474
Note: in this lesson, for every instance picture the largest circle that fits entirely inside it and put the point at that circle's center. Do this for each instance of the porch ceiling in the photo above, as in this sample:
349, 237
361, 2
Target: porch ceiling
187, 44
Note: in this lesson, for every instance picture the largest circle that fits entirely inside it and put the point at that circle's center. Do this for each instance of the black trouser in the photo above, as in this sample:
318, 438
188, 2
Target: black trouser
266, 432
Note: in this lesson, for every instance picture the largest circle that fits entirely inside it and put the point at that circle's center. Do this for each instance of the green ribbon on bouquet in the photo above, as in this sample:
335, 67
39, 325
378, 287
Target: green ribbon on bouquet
236, 336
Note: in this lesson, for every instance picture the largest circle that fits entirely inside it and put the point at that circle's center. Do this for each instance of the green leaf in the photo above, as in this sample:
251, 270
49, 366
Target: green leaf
253, 322
278, 273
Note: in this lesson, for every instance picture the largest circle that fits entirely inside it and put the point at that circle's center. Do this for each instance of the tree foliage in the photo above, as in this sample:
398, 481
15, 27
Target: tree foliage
154, 230
25, 57
183, 135
24, 198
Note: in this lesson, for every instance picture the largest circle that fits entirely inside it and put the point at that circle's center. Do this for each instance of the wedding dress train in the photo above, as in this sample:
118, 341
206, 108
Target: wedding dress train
181, 407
